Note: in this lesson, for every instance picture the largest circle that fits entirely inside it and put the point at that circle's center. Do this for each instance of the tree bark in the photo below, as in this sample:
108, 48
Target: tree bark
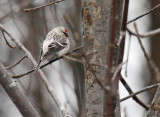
95, 31
102, 20
18, 98
114, 58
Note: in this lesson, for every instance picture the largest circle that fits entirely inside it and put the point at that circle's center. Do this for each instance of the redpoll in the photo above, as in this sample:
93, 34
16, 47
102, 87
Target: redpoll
55, 45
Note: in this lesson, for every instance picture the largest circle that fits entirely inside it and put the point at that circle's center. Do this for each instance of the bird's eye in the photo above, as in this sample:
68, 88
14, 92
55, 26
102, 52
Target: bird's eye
66, 30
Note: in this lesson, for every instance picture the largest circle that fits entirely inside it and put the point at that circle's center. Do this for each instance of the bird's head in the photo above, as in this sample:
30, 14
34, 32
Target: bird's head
62, 30
47, 44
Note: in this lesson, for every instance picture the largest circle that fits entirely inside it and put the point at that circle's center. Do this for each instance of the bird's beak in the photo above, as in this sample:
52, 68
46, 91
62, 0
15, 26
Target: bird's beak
66, 34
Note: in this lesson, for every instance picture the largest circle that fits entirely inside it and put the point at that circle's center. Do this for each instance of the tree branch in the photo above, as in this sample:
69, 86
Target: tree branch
150, 33
42, 6
153, 68
9, 67
50, 62
43, 77
18, 98
140, 91
7, 41
134, 97
151, 10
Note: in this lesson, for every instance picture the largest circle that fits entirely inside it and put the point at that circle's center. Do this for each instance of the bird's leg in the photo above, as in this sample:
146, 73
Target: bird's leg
40, 60
38, 66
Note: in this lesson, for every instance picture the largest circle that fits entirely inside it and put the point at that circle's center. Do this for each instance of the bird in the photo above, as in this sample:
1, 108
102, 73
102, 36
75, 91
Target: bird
55, 45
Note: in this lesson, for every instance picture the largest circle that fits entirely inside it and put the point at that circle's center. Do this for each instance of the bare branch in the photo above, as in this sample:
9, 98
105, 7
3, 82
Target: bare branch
150, 63
43, 77
122, 36
82, 61
72, 59
17, 97
42, 6
151, 10
128, 49
118, 70
9, 67
140, 91
7, 41
150, 33
69, 22
72, 27
50, 62
125, 84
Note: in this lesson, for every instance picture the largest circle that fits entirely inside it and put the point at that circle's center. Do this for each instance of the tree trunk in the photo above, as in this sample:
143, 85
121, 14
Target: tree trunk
102, 21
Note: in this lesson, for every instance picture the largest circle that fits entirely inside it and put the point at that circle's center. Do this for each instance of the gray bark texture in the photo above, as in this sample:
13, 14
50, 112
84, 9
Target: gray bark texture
18, 98
95, 32
114, 59
102, 20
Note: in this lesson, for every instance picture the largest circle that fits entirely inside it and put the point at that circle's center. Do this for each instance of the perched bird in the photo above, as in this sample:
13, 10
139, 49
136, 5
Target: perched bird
55, 45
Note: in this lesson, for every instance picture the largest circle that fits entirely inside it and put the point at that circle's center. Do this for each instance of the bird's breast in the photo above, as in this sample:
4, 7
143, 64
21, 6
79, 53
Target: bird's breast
46, 43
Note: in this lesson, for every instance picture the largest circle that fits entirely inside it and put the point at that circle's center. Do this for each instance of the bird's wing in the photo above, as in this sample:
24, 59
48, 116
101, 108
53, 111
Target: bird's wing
56, 47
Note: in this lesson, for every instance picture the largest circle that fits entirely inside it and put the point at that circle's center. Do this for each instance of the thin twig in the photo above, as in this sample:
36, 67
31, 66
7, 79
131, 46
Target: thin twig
150, 63
69, 22
43, 77
123, 33
140, 91
15, 10
72, 27
125, 84
122, 36
151, 10
9, 67
82, 61
50, 62
128, 49
148, 34
42, 6
75, 54
7, 41
74, 50
152, 66
118, 70
72, 59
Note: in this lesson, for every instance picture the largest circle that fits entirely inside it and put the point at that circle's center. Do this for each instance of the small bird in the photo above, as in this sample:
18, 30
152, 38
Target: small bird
55, 45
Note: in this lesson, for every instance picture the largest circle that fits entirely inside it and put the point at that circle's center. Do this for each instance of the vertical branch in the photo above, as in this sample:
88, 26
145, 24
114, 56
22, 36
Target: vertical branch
112, 107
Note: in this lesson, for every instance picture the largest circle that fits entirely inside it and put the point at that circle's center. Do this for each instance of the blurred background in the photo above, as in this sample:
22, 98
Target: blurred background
67, 77
138, 73
31, 29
